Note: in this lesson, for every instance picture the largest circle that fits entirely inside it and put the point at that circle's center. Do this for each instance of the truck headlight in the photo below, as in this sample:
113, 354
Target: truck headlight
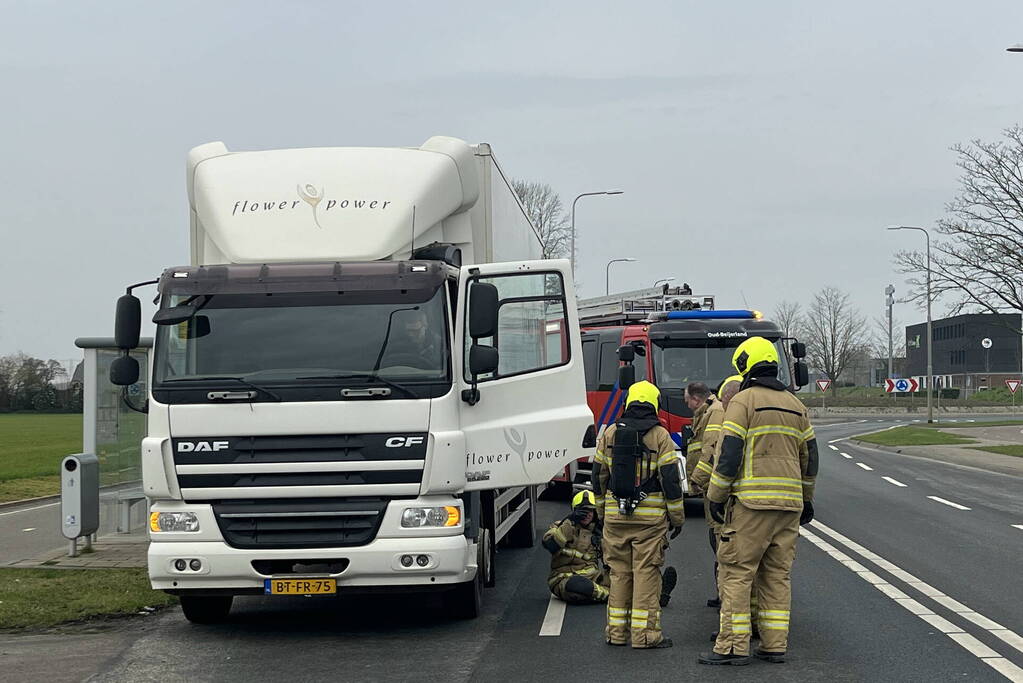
173, 521
449, 515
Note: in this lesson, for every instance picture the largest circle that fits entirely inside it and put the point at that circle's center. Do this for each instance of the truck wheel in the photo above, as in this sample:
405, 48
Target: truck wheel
206, 609
523, 532
465, 600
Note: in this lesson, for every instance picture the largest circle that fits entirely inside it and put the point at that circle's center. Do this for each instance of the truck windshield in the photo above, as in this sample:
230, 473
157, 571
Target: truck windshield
702, 360
307, 338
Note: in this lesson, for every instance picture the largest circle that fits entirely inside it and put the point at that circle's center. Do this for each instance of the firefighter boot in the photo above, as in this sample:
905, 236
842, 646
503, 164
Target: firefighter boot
668, 582
714, 658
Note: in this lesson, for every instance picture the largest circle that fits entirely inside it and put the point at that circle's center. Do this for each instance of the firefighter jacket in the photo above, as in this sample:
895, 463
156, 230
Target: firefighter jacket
708, 439
768, 458
695, 443
659, 462
573, 552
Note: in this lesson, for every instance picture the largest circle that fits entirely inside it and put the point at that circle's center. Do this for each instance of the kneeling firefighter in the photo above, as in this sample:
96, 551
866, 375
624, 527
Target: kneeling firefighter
576, 575
760, 491
638, 482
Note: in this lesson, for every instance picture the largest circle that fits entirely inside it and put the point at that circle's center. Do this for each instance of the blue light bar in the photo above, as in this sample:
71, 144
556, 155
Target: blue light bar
736, 314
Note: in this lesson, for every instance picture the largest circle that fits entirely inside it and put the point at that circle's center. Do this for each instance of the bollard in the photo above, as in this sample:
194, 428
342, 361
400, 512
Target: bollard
79, 499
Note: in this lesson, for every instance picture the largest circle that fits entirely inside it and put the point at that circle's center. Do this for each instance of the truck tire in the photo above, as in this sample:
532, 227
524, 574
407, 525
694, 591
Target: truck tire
465, 600
523, 532
206, 609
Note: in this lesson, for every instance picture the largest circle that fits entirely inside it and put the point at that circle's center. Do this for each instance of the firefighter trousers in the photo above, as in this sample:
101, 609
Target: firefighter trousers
755, 548
634, 552
581, 590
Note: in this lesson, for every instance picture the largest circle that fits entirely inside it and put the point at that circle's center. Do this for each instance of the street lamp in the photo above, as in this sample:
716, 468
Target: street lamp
890, 301
571, 254
607, 272
663, 281
930, 338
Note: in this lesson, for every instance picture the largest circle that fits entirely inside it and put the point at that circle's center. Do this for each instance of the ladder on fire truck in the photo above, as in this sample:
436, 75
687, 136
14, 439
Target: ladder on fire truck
640, 305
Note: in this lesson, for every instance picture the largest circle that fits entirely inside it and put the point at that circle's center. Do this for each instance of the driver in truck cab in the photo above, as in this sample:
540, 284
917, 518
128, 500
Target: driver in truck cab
415, 342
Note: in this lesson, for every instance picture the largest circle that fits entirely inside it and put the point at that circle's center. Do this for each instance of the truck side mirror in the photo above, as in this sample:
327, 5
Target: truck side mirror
802, 374
124, 371
627, 353
127, 322
483, 307
626, 376
482, 360
798, 350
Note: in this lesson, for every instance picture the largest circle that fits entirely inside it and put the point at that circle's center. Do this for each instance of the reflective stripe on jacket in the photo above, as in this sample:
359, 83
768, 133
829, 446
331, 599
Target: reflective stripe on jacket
709, 440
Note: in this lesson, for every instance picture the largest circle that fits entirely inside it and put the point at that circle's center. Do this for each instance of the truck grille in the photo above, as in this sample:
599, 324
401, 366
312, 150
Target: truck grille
304, 466
287, 523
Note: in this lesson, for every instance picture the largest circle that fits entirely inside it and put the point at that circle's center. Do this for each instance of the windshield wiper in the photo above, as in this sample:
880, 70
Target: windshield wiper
244, 382
369, 379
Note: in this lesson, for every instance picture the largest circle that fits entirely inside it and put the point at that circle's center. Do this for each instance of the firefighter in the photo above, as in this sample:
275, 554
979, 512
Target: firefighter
760, 491
576, 575
638, 481
700, 401
700, 477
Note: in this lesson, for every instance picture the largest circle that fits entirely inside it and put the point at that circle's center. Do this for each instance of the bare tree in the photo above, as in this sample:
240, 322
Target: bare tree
979, 263
877, 341
834, 333
789, 316
547, 213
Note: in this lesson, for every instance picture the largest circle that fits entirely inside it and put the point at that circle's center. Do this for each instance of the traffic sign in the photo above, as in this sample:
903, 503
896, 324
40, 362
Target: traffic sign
901, 385
986, 343
1013, 384
823, 384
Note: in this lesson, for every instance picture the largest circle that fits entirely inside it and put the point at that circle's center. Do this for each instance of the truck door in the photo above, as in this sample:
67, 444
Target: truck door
524, 420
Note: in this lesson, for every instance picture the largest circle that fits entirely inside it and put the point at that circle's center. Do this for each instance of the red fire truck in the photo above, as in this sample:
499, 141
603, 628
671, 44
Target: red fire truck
677, 338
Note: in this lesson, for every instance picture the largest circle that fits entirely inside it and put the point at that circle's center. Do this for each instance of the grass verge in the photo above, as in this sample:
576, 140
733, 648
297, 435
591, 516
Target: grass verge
37, 598
1014, 449
913, 436
35, 487
973, 425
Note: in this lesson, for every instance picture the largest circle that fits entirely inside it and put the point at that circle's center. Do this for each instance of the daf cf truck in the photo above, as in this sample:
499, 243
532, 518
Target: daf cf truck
353, 384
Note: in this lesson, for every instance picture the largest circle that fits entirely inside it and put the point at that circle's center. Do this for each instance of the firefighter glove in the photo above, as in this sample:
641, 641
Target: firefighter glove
675, 531
807, 516
717, 512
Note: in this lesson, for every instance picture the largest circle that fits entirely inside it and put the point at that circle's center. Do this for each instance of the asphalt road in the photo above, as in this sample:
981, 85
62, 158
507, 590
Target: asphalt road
889, 584
29, 530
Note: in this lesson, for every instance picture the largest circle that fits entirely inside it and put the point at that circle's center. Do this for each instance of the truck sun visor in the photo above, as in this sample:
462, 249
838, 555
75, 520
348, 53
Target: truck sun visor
374, 276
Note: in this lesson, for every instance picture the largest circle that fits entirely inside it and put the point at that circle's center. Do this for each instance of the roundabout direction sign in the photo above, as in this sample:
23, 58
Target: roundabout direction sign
901, 385
986, 342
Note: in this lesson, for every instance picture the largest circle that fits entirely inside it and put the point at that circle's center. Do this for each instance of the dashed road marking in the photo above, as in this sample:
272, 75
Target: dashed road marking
834, 448
967, 641
37, 507
894, 481
949, 503
554, 617
846, 456
866, 467
1018, 526
31, 528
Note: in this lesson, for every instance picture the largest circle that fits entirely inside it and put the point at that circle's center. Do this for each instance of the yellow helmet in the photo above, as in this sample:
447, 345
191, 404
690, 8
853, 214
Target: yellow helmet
751, 352
584, 499
643, 392
727, 381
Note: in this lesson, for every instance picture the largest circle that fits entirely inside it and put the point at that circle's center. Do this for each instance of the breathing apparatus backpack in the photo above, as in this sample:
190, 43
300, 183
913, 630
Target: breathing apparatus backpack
632, 472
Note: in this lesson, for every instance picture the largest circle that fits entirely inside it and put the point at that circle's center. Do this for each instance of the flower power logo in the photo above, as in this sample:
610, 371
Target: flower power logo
311, 196
316, 199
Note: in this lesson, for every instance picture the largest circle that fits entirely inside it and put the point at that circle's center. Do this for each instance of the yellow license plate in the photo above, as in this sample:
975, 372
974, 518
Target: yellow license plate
300, 586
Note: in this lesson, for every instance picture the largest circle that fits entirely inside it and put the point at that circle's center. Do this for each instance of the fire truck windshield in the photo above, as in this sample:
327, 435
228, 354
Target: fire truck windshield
679, 362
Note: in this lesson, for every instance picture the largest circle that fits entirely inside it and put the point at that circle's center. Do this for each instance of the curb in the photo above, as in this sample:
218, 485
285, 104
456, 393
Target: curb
29, 501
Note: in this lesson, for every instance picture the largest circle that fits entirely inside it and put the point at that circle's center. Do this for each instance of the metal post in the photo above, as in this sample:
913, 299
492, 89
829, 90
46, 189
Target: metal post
607, 272
930, 337
889, 291
72, 548
571, 247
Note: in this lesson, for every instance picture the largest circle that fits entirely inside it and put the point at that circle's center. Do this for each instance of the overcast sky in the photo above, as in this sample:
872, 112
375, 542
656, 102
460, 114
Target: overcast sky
762, 147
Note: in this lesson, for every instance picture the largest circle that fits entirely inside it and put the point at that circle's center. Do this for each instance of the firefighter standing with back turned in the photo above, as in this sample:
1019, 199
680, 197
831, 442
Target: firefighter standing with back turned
638, 482
761, 490
576, 576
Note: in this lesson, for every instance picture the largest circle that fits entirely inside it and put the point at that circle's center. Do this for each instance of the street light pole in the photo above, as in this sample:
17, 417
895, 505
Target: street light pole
663, 281
930, 336
890, 291
607, 272
571, 254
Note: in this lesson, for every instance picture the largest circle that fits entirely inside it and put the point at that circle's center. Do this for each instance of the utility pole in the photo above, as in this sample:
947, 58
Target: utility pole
930, 331
890, 292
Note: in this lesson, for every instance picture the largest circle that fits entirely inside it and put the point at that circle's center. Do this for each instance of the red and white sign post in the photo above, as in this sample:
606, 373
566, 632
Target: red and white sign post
823, 385
1013, 385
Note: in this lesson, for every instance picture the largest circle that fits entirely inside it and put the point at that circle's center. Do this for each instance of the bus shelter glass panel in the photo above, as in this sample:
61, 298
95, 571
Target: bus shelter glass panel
119, 429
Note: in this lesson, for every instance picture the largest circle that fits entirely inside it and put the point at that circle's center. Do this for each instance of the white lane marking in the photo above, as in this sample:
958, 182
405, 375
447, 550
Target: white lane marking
1017, 526
554, 618
866, 467
38, 507
967, 641
834, 448
31, 528
846, 456
894, 481
949, 503
994, 628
